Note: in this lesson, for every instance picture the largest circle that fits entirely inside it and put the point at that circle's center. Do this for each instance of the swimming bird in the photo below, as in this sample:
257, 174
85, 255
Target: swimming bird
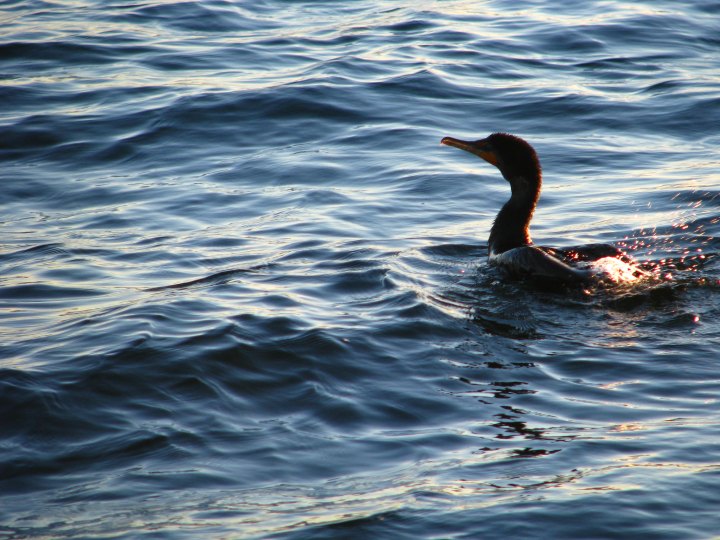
510, 246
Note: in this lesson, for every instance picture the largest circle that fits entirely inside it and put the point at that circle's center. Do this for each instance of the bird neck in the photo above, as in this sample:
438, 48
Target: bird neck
512, 224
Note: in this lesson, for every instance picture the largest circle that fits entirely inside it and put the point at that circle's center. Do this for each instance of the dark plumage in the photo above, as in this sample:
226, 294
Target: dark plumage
520, 166
510, 245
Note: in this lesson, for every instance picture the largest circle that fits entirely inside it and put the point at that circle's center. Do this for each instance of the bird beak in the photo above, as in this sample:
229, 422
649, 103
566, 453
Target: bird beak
479, 148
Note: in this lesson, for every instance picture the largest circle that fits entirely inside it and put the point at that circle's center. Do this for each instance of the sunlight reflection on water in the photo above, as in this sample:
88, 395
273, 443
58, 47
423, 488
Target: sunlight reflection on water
244, 292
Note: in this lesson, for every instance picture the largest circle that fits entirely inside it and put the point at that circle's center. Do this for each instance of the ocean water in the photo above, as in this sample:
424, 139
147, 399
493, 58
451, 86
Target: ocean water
244, 291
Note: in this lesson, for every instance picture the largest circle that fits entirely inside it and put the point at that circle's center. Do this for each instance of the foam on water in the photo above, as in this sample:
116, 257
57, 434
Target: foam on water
616, 270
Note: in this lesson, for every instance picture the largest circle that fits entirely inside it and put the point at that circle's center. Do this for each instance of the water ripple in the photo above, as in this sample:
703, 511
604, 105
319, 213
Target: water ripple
245, 292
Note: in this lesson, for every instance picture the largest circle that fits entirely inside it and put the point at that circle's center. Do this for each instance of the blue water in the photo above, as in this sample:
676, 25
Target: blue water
244, 291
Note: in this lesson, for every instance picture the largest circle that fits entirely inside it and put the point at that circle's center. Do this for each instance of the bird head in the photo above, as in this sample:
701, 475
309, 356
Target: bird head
512, 155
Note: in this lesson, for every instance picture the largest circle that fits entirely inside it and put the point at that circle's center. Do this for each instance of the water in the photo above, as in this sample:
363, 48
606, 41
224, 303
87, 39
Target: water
244, 291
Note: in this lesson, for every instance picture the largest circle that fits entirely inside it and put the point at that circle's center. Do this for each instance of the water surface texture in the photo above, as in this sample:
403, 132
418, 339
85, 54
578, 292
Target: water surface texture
244, 290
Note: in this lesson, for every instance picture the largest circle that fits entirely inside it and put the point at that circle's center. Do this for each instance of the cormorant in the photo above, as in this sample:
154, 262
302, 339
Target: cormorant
509, 245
